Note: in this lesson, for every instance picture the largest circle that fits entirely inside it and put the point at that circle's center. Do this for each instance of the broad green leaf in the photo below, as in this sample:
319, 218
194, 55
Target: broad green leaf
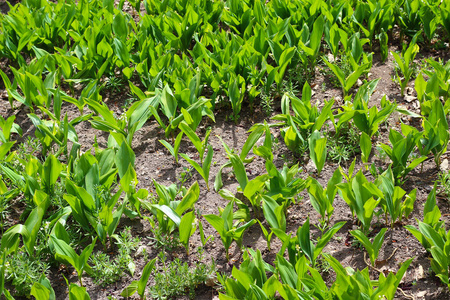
187, 228
65, 253
78, 293
304, 240
169, 212
287, 272
323, 241
124, 158
120, 49
142, 283
189, 199
129, 180
130, 289
10, 239
273, 213
366, 147
318, 150
119, 26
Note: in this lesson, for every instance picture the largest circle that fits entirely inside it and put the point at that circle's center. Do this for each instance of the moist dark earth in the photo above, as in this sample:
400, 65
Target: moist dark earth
153, 162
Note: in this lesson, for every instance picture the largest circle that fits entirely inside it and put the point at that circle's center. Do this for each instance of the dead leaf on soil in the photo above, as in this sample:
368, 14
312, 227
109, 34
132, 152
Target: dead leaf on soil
410, 98
444, 165
419, 274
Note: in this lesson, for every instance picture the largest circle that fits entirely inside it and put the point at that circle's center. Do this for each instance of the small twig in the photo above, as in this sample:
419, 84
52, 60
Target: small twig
406, 295
393, 252
376, 269
369, 265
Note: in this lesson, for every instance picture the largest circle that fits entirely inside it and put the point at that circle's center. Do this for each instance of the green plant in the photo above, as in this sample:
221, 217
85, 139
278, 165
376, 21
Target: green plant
237, 161
176, 146
95, 206
391, 197
438, 84
140, 285
250, 280
318, 150
162, 239
409, 18
78, 292
342, 145
187, 228
30, 147
322, 199
354, 284
105, 269
433, 236
185, 175
275, 216
67, 255
283, 56
191, 112
365, 145
400, 153
303, 242
236, 92
169, 212
32, 177
5, 199
177, 278
89, 189
7, 127
29, 230
266, 103
54, 131
323, 265
378, 16
373, 248
348, 81
90, 92
228, 230
382, 37
366, 119
306, 119
129, 100
348, 284
281, 185
123, 128
114, 83
310, 41
42, 289
405, 64
435, 136
445, 18
23, 269
444, 183
342, 60
358, 194
291, 83
28, 78
201, 146
431, 216
307, 246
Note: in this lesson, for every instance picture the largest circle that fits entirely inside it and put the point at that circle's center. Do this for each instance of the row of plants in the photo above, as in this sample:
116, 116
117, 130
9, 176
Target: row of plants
222, 50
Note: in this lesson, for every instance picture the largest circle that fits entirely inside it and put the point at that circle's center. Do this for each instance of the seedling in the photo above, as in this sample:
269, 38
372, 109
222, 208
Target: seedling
140, 285
65, 254
372, 248
228, 230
